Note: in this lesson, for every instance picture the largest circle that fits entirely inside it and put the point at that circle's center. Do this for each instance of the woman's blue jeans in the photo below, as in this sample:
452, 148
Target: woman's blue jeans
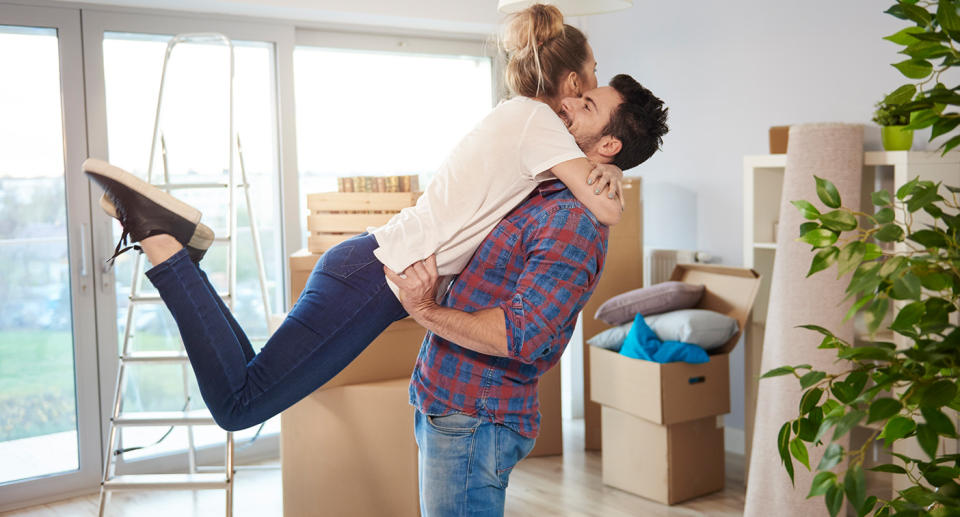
465, 464
345, 305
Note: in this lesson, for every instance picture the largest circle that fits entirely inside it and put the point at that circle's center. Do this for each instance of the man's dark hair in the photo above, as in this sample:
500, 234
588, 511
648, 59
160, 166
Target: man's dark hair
639, 122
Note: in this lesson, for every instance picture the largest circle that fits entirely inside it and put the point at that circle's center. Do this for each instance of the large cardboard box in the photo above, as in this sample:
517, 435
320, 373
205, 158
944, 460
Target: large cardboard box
659, 421
351, 451
666, 463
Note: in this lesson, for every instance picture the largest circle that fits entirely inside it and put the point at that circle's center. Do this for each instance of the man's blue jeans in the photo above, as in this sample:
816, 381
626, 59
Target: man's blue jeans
345, 305
465, 464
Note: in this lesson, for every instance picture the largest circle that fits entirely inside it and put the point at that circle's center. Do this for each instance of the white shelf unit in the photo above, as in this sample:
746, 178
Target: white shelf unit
762, 189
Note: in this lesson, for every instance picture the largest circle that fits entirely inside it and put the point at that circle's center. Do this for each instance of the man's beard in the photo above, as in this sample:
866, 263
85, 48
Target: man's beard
586, 143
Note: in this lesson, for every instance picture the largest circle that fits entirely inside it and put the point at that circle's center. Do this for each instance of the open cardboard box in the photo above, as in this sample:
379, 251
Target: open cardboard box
661, 434
678, 392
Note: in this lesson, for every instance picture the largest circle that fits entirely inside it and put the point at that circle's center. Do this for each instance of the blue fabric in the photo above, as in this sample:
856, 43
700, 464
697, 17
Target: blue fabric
345, 305
465, 464
643, 343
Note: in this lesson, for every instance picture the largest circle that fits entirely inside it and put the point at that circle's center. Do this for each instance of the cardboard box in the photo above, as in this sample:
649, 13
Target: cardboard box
678, 392
622, 271
778, 139
351, 451
666, 463
394, 353
337, 216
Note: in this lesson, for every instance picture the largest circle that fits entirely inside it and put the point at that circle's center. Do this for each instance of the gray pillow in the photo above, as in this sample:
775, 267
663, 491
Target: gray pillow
656, 299
611, 339
706, 329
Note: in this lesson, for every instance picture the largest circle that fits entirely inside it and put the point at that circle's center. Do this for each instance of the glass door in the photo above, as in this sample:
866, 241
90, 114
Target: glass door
49, 416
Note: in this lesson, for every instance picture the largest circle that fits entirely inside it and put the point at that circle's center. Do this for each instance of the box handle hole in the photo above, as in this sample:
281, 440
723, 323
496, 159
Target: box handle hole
697, 380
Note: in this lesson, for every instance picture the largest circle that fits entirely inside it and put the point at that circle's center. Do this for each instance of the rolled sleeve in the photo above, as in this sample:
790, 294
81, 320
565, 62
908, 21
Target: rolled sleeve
559, 272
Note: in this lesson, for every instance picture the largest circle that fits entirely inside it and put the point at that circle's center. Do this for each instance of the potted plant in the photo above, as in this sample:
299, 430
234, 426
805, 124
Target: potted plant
894, 131
902, 392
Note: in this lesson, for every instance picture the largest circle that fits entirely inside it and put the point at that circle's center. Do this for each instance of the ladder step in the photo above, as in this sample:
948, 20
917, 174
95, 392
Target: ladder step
161, 418
160, 356
157, 299
167, 482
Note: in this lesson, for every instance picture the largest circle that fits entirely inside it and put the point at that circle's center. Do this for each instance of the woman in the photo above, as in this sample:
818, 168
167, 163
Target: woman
347, 301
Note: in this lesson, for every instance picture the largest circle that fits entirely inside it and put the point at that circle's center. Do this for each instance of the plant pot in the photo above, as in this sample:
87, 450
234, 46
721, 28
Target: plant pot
896, 138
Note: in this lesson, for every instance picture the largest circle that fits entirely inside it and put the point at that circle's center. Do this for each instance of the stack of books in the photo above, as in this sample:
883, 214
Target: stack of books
409, 183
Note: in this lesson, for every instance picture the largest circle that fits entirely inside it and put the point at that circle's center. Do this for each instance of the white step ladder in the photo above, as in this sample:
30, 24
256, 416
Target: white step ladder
197, 477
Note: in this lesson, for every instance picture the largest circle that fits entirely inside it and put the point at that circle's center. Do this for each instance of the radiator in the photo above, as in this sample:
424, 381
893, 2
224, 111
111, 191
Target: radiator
659, 264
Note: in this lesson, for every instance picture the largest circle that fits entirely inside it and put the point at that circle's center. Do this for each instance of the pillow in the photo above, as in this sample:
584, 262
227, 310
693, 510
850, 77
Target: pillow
611, 339
656, 299
706, 329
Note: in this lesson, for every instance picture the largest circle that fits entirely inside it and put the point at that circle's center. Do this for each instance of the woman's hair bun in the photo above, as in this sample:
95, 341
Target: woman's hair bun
532, 27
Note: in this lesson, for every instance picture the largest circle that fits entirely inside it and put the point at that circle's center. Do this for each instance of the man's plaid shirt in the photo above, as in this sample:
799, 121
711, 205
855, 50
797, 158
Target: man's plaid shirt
539, 265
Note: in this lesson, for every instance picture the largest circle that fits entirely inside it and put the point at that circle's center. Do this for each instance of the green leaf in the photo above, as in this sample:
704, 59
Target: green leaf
848, 422
908, 316
882, 409
816, 328
882, 197
783, 445
943, 126
807, 209
823, 259
776, 372
820, 238
939, 422
884, 215
839, 220
907, 188
799, 451
907, 287
834, 500
831, 457
897, 428
876, 314
855, 308
827, 192
810, 400
864, 278
929, 441
806, 228
854, 484
888, 467
942, 476
821, 483
892, 265
903, 37
923, 197
914, 68
929, 238
939, 394
873, 252
947, 16
811, 378
936, 281
888, 233
953, 142
850, 257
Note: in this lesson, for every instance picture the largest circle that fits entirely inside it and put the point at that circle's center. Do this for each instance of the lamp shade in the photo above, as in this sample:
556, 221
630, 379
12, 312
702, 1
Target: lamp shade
567, 7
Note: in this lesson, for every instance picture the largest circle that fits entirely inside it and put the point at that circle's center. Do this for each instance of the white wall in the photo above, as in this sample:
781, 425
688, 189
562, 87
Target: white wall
728, 71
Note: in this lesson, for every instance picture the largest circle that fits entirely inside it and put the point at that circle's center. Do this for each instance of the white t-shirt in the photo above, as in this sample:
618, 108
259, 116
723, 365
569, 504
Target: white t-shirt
492, 169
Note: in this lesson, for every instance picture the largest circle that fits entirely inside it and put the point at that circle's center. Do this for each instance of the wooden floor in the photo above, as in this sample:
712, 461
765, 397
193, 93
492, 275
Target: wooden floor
568, 485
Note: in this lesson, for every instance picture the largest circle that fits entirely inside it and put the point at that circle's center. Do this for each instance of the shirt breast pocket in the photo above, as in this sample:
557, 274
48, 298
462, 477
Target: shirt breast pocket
501, 247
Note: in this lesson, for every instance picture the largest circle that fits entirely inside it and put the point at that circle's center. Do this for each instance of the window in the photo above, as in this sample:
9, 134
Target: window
379, 113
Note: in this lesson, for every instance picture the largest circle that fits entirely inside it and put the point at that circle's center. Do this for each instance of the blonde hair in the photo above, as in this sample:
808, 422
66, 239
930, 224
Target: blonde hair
541, 49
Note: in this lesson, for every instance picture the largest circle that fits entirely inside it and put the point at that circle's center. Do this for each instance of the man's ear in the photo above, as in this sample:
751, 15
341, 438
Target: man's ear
609, 146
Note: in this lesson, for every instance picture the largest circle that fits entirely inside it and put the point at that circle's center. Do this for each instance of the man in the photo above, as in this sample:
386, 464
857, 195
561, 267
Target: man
507, 318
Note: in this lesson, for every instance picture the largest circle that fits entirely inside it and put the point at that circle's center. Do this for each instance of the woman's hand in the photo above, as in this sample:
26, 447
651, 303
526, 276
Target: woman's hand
418, 286
605, 176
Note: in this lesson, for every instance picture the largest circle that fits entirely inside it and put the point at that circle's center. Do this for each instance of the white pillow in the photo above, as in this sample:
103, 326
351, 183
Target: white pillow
706, 329
611, 339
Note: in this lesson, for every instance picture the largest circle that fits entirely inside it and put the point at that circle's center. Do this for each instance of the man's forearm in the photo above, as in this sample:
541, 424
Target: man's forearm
484, 331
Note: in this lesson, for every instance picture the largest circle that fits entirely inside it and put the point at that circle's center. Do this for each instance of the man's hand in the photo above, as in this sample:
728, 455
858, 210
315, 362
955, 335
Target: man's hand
606, 176
418, 287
